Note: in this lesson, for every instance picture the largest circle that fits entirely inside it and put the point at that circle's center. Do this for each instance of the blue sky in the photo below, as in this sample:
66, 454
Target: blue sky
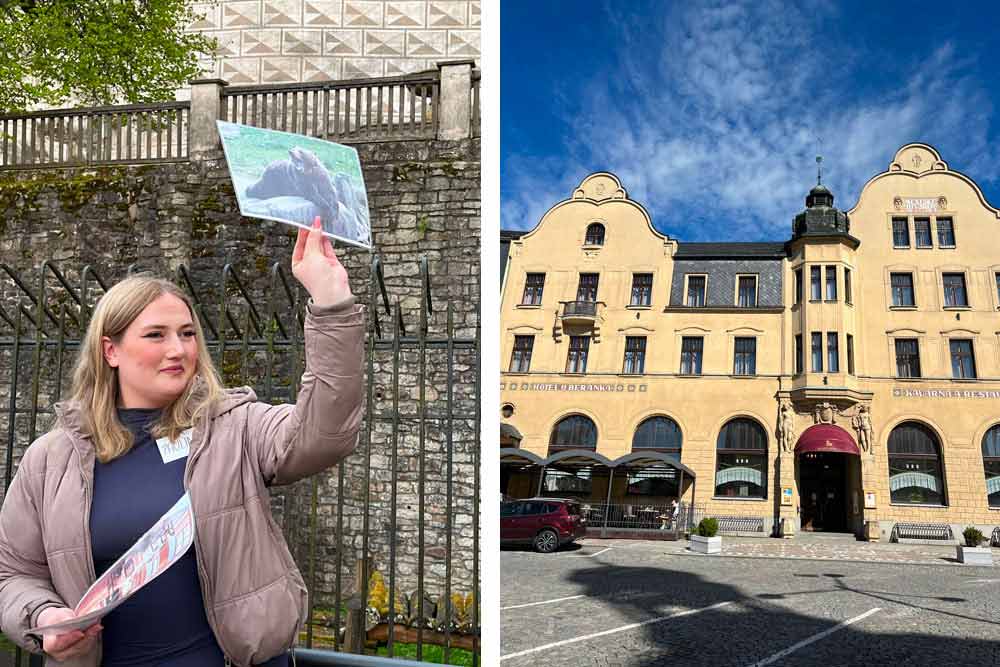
712, 113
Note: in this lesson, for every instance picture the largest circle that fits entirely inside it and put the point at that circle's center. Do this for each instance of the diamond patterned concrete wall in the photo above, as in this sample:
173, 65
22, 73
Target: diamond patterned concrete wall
722, 280
280, 41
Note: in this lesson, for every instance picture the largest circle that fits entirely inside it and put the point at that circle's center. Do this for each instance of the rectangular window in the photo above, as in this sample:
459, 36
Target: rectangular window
832, 352
954, 289
907, 358
798, 285
946, 233
996, 277
815, 286
745, 357
922, 232
817, 352
850, 354
799, 358
747, 297
691, 348
963, 364
576, 360
831, 283
642, 289
900, 233
520, 359
533, 284
902, 289
847, 287
696, 291
635, 355
587, 291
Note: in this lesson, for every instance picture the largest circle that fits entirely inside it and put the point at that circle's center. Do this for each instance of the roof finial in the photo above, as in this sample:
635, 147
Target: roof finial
819, 170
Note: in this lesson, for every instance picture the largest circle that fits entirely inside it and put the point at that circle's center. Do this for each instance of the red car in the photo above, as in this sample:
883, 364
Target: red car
544, 523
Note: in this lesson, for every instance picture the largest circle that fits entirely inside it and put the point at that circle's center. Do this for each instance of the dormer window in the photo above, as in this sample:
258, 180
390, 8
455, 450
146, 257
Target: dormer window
595, 234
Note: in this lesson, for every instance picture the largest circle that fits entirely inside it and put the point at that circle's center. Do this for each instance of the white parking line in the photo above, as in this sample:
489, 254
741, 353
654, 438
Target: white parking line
535, 604
630, 626
590, 555
816, 637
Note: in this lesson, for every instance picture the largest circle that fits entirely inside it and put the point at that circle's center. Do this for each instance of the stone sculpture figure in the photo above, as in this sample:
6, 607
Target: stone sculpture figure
824, 413
862, 423
786, 434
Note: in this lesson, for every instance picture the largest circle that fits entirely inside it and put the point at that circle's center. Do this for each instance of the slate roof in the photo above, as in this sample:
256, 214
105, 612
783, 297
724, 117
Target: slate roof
721, 250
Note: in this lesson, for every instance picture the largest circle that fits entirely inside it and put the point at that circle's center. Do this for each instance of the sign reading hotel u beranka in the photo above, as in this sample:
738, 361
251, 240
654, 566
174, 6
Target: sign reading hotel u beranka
905, 392
559, 386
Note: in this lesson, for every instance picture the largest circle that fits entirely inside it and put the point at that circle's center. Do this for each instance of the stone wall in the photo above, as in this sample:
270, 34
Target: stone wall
425, 202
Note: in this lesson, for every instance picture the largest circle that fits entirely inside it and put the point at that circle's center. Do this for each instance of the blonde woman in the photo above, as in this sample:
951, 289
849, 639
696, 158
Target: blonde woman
88, 489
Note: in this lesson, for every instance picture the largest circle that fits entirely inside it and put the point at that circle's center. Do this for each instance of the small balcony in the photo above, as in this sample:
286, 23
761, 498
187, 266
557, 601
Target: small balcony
579, 312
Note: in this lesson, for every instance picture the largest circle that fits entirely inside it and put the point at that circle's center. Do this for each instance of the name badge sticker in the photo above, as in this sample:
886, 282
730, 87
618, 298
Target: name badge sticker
171, 450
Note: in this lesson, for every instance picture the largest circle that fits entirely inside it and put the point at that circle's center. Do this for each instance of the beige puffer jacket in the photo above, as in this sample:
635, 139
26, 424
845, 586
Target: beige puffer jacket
254, 595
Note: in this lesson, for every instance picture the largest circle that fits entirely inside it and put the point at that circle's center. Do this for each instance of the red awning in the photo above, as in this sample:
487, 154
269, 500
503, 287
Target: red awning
826, 438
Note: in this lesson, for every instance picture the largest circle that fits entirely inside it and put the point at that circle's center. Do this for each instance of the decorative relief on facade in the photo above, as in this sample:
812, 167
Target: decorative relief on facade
384, 43
342, 42
369, 38
302, 42
208, 17
786, 426
919, 204
862, 423
280, 70
942, 202
463, 43
241, 14
321, 13
825, 413
282, 12
447, 14
405, 14
261, 42
426, 43
320, 69
363, 14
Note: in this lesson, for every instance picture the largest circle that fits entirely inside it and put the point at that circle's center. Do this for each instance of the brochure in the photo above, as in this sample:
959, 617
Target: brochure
159, 548
292, 178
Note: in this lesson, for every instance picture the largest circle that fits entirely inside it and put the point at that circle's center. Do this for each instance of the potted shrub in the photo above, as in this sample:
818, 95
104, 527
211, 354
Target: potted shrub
704, 540
971, 553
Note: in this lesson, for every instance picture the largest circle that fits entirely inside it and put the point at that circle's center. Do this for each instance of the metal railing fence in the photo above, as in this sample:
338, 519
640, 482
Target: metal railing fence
258, 341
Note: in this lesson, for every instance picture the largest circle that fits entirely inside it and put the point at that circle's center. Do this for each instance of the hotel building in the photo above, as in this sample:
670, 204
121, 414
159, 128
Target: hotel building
847, 379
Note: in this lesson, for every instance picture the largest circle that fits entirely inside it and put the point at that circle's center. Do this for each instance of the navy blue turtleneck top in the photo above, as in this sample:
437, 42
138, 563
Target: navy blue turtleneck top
164, 623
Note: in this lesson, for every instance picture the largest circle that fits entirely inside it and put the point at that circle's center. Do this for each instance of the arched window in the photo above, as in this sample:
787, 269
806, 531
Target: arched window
741, 460
991, 461
574, 432
658, 433
595, 234
915, 472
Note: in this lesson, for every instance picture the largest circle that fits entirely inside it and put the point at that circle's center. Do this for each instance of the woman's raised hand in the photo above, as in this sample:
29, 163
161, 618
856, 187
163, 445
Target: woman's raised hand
71, 643
316, 266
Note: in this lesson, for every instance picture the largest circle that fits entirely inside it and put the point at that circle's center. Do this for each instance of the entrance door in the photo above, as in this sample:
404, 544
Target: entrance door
823, 491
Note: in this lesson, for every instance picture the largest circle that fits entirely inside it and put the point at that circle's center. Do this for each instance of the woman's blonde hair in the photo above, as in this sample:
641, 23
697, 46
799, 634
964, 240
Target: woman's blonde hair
95, 382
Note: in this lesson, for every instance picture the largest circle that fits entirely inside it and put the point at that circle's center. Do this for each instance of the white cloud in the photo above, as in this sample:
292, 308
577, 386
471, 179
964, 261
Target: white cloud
712, 114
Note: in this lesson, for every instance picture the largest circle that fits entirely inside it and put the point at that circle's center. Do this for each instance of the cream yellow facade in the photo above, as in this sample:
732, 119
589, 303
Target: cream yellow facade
864, 319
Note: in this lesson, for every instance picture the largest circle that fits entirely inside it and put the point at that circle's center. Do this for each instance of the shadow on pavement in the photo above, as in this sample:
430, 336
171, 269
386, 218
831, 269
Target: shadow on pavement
755, 628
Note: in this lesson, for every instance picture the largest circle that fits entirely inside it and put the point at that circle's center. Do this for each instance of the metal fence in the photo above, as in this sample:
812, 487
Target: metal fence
403, 107
253, 330
95, 136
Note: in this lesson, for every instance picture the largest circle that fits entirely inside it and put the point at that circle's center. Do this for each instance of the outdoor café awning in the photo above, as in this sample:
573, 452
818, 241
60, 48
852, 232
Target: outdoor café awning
826, 438
585, 458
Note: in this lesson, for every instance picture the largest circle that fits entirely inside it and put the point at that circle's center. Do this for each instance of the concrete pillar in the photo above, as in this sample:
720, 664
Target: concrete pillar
206, 107
455, 101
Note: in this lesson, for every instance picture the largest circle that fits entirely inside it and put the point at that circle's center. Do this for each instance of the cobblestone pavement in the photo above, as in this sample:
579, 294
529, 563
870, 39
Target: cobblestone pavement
619, 603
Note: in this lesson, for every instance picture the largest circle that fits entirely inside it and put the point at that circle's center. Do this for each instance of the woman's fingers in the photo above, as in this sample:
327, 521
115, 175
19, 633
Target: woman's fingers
300, 245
